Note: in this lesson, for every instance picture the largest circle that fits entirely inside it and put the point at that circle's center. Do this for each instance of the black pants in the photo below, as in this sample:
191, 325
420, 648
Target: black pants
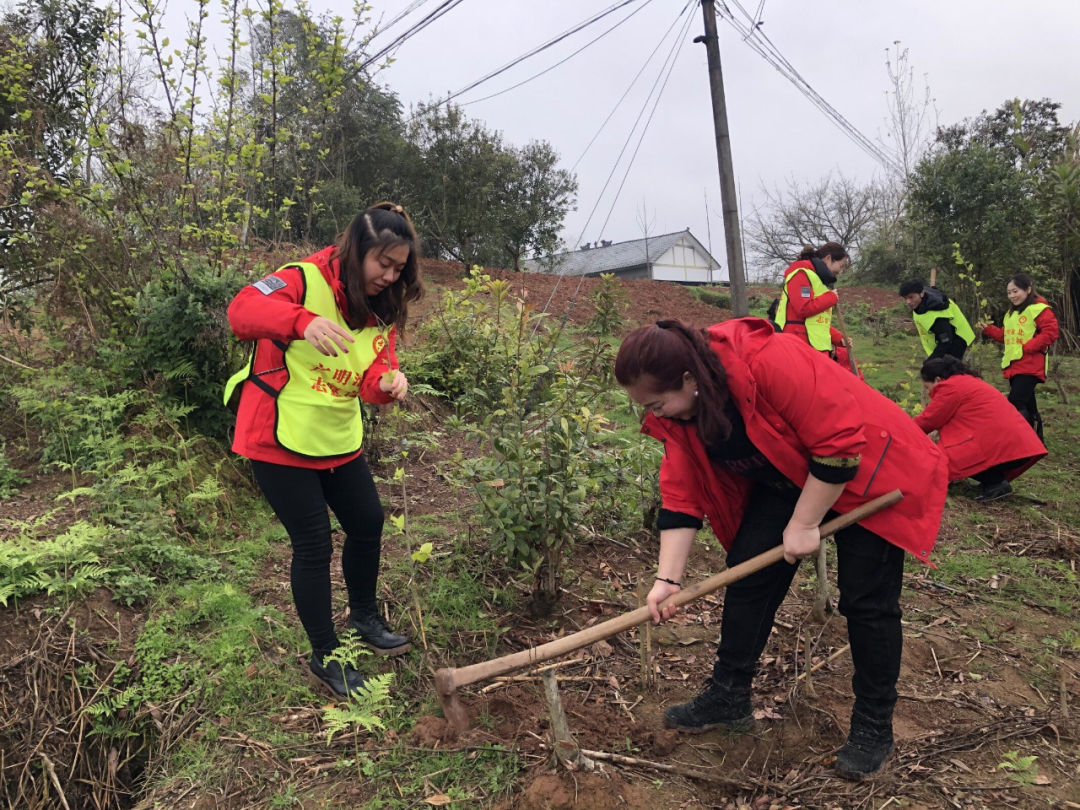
992, 476
1022, 396
299, 496
870, 574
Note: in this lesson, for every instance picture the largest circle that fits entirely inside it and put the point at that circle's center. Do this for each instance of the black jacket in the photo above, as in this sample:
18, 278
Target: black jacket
948, 342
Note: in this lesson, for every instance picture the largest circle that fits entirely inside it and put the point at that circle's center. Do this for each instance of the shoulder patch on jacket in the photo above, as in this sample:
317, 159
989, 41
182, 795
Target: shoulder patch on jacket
269, 284
805, 292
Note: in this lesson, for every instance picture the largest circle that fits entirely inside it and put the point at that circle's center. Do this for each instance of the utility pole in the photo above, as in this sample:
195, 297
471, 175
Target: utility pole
728, 202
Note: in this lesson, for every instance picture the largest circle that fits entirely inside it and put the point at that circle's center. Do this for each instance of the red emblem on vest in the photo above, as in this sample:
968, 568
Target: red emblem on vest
1023, 319
378, 344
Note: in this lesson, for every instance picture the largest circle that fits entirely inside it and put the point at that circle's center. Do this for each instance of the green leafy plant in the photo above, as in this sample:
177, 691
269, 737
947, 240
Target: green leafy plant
537, 422
10, 478
363, 707
69, 564
1023, 770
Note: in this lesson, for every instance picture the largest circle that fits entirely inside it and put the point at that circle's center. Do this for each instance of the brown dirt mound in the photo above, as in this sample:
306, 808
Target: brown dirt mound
595, 791
646, 301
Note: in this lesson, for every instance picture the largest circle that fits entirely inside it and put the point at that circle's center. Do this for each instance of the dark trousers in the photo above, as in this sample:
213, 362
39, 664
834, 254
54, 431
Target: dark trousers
299, 496
1022, 396
992, 476
870, 573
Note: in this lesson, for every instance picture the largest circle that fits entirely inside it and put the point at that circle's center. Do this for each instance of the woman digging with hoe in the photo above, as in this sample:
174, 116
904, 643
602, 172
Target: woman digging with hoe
325, 329
768, 438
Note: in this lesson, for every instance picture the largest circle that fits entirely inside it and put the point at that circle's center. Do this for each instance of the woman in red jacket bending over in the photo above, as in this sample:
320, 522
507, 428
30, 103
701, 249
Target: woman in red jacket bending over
325, 330
983, 436
1029, 331
739, 409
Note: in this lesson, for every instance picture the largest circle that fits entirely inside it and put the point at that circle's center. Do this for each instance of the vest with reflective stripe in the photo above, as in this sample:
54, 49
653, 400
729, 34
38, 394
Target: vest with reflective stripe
1019, 329
817, 328
317, 411
925, 321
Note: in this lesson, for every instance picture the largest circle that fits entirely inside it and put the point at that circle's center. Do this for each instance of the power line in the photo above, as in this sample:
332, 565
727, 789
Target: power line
680, 41
446, 7
627, 91
760, 43
630, 135
531, 53
561, 61
668, 60
413, 6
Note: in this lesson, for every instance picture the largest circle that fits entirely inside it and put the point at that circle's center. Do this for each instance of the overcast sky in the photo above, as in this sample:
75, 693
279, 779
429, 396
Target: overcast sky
975, 53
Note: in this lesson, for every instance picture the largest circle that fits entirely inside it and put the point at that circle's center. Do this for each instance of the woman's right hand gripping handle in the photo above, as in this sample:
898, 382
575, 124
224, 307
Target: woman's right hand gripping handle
661, 591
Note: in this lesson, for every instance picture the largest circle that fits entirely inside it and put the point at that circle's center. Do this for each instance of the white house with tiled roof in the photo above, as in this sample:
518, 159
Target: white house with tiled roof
677, 257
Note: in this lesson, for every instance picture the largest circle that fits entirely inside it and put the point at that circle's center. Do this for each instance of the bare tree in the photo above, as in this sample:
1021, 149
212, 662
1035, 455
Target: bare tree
912, 118
835, 208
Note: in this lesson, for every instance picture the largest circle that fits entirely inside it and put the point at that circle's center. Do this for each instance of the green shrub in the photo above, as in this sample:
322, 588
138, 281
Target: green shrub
10, 478
184, 343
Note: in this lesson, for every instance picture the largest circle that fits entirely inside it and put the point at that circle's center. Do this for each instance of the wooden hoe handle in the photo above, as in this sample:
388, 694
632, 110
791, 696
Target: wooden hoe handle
449, 679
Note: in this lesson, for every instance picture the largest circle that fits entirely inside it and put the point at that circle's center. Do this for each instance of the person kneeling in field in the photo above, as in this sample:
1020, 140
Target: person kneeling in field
768, 438
984, 437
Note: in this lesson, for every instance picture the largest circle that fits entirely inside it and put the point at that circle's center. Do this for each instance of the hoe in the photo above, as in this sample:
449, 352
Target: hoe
448, 680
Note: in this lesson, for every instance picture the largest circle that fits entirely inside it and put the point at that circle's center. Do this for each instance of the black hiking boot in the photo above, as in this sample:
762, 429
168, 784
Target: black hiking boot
719, 706
995, 492
330, 673
376, 633
868, 746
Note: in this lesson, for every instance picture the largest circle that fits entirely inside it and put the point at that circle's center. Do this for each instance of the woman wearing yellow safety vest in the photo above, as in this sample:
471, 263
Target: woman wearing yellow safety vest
1029, 331
807, 300
325, 329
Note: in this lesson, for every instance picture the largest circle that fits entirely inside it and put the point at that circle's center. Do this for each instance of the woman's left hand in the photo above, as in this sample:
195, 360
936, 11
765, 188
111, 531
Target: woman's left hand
395, 384
800, 541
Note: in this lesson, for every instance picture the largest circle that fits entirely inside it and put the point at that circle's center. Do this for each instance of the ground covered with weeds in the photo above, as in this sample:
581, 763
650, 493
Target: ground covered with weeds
150, 656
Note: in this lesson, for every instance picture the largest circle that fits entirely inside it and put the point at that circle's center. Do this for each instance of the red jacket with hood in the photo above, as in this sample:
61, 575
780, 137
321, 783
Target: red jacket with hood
1033, 361
274, 320
979, 428
797, 403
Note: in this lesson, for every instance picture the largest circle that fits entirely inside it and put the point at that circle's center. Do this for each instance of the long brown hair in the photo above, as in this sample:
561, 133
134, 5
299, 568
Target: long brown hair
664, 352
383, 226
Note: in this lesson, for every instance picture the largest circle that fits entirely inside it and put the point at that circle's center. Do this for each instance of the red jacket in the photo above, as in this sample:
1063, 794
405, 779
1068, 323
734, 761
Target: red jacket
979, 427
797, 403
1034, 360
803, 308
279, 318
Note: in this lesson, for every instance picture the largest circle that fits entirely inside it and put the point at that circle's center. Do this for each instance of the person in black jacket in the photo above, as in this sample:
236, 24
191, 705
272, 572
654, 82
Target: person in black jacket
943, 329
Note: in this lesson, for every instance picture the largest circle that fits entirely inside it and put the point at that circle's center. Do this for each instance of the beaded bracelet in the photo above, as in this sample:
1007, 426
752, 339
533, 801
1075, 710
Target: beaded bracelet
669, 581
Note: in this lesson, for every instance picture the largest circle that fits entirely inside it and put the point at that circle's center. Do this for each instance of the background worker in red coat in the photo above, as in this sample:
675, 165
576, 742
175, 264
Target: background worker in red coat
739, 410
982, 435
807, 298
1029, 331
325, 330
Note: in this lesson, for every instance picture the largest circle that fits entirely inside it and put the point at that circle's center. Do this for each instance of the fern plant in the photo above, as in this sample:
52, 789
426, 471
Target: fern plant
69, 563
362, 707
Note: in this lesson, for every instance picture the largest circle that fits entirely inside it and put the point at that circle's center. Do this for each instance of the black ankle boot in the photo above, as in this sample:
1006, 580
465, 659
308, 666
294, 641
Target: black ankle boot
868, 746
376, 633
341, 681
719, 706
995, 492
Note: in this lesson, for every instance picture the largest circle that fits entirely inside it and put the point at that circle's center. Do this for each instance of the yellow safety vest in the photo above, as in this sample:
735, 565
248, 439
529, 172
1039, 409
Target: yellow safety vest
1019, 328
925, 321
817, 328
317, 411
